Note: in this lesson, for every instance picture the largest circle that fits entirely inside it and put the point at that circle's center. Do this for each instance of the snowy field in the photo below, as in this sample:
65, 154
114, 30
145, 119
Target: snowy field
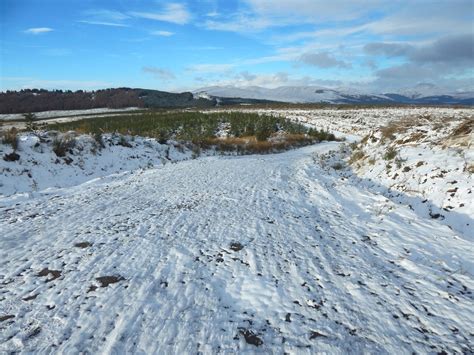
65, 113
265, 253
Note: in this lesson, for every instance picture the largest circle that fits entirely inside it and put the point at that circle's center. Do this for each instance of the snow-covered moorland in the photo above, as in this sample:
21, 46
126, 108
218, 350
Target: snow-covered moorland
311, 250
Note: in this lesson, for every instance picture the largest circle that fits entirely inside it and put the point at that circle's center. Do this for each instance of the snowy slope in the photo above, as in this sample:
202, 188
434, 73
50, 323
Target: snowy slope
421, 94
297, 94
39, 168
271, 254
65, 113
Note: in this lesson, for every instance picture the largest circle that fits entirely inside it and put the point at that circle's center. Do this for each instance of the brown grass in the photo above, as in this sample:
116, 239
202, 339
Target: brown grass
251, 145
412, 138
463, 129
356, 156
11, 137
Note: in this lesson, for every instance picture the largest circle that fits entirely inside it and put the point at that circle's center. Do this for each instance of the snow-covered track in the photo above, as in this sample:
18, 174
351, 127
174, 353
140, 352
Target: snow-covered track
231, 254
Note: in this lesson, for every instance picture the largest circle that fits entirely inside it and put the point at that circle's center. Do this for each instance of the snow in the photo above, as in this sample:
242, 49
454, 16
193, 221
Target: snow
65, 113
284, 93
39, 168
327, 261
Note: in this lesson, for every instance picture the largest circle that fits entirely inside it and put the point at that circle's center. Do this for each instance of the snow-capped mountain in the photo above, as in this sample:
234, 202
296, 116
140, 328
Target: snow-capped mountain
423, 93
296, 94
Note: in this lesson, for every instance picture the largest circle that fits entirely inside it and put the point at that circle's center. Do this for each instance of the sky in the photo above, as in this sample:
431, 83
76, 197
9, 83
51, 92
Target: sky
373, 46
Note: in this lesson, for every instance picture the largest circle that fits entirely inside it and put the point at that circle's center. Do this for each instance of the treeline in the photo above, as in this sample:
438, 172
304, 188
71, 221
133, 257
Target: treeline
36, 100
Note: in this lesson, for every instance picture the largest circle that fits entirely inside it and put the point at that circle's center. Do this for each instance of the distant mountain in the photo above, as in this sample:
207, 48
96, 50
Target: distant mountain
424, 94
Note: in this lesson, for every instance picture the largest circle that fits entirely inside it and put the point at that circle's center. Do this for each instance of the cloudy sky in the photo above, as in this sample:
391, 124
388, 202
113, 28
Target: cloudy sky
377, 46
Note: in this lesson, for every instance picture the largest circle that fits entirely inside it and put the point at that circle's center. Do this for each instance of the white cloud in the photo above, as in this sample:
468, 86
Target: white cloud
323, 60
109, 15
258, 15
239, 23
104, 17
270, 81
38, 30
298, 11
162, 33
159, 73
103, 23
210, 68
173, 12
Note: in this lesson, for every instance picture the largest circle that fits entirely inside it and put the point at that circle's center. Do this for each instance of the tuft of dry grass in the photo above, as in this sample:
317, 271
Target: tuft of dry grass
11, 137
463, 129
356, 156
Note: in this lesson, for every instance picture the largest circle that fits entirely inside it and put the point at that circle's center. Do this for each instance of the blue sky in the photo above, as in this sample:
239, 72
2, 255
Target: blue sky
182, 45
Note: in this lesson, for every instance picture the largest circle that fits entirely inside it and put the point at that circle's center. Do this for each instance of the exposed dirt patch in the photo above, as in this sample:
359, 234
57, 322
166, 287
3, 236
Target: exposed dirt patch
83, 245
107, 280
314, 334
34, 332
251, 338
29, 298
54, 274
6, 317
236, 246
11, 157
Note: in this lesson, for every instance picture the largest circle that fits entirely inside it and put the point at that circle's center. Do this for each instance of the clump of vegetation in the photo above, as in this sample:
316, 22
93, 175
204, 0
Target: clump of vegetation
356, 156
124, 142
390, 153
239, 132
11, 137
464, 128
399, 161
99, 139
62, 145
388, 132
30, 119
321, 135
354, 146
